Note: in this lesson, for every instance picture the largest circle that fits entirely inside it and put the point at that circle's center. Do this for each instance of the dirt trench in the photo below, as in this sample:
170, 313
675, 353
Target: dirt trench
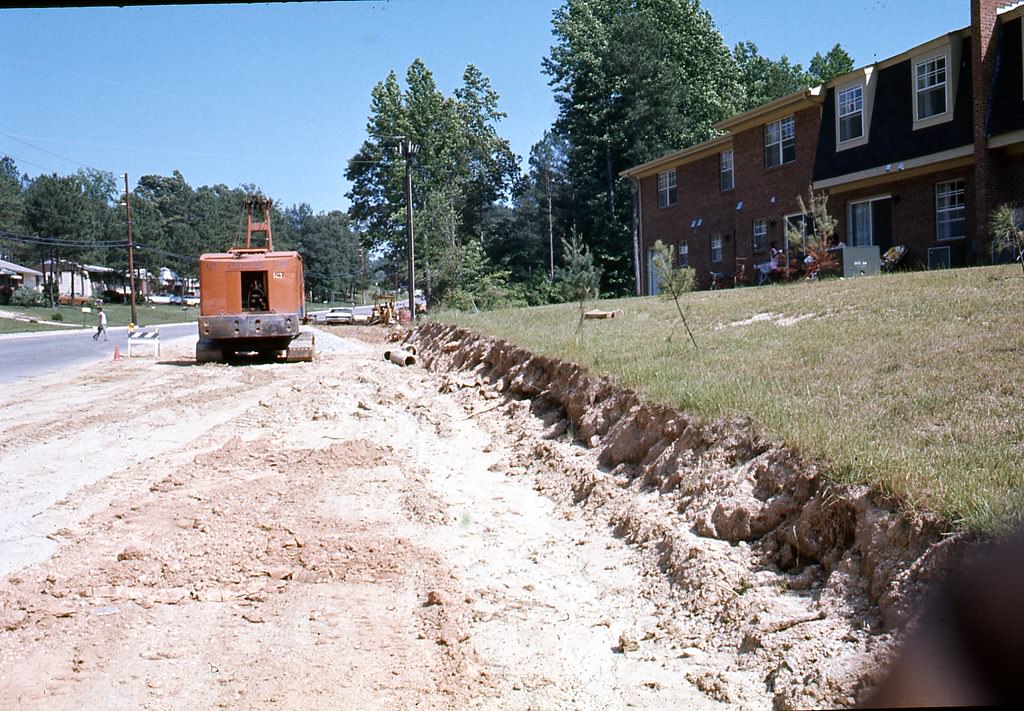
497, 530
801, 587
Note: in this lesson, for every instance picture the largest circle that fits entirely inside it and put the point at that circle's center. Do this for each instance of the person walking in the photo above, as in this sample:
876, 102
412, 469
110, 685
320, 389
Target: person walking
101, 326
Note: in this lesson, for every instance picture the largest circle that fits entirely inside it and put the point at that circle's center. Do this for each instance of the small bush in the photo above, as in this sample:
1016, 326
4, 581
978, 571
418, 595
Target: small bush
25, 296
57, 316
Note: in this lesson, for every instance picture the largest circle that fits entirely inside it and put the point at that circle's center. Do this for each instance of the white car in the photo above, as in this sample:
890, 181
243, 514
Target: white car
339, 314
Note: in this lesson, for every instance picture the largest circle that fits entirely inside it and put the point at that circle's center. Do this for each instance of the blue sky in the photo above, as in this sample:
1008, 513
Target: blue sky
277, 94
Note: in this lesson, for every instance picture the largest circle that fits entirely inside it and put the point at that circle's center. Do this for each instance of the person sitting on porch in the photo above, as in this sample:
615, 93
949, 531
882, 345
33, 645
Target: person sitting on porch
811, 266
765, 270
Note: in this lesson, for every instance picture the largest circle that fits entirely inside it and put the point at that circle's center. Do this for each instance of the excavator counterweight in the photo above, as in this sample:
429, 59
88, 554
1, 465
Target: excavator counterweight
251, 298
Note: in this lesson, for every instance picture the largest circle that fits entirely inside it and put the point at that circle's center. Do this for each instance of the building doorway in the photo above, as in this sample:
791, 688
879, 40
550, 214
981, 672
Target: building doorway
870, 223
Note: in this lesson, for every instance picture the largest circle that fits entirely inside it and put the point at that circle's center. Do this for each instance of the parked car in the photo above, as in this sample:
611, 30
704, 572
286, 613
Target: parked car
339, 314
79, 300
185, 300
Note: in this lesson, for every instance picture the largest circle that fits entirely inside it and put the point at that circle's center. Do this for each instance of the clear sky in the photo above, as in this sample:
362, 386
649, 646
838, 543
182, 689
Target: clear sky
278, 94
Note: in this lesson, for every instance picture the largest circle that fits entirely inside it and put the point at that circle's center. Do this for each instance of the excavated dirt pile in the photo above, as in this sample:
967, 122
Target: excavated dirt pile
798, 586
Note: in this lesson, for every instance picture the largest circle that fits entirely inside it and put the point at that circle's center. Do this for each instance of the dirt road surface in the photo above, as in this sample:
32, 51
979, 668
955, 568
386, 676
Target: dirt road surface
336, 534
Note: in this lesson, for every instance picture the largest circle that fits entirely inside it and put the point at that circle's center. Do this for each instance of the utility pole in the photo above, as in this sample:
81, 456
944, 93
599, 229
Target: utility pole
362, 275
409, 149
131, 256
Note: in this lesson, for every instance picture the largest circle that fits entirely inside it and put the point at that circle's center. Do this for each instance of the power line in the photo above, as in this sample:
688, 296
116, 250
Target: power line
59, 241
156, 250
56, 155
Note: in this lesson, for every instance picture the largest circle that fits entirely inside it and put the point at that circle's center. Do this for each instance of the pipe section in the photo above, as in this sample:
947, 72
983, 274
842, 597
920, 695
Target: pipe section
401, 357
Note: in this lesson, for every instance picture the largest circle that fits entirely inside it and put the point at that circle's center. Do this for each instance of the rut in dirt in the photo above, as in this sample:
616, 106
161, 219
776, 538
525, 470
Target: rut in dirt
809, 581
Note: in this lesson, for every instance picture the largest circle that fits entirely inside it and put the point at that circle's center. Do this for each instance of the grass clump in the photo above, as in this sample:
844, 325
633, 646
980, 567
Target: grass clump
910, 383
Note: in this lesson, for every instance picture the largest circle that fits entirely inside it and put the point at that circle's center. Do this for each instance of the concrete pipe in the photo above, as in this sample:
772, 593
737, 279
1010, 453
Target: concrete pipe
400, 357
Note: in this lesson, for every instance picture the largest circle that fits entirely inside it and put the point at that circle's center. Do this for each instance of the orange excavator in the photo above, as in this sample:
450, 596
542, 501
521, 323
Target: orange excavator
251, 298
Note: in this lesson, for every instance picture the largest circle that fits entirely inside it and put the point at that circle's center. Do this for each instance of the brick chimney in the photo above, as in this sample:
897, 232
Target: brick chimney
984, 20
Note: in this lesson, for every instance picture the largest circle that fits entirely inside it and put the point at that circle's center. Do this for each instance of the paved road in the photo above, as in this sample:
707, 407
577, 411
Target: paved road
27, 355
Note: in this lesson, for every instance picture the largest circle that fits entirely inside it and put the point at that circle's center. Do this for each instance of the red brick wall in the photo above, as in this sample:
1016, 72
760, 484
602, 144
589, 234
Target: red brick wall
913, 212
995, 177
983, 24
700, 198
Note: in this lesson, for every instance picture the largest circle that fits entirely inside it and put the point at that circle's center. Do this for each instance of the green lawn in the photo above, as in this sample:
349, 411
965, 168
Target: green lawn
72, 317
912, 383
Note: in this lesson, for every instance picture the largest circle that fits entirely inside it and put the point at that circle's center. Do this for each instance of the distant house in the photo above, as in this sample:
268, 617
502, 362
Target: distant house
13, 276
89, 282
73, 280
914, 150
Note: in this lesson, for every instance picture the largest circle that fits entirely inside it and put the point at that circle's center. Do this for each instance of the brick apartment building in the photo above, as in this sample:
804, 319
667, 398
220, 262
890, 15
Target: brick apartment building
914, 150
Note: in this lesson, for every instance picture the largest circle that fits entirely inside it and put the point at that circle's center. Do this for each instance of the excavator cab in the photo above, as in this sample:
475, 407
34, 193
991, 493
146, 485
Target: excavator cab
253, 298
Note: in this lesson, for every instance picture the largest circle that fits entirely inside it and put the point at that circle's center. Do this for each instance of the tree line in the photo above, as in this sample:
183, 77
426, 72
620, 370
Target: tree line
82, 218
632, 79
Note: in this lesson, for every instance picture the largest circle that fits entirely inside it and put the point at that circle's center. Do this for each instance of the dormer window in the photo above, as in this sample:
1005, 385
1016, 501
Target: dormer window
930, 87
667, 192
851, 113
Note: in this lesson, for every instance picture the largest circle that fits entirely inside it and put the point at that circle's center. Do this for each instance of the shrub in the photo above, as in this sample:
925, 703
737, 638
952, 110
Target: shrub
57, 316
1008, 232
25, 296
673, 281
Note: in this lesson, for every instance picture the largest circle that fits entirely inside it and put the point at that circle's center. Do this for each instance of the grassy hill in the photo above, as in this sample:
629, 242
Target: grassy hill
911, 383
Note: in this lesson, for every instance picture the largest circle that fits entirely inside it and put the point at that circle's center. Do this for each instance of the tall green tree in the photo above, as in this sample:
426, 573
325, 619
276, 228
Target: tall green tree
545, 201
490, 168
101, 224
173, 236
834, 63
632, 79
463, 167
12, 210
56, 209
329, 249
11, 203
762, 79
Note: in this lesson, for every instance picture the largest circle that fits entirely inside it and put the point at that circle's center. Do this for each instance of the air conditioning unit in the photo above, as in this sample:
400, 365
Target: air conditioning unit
939, 258
861, 261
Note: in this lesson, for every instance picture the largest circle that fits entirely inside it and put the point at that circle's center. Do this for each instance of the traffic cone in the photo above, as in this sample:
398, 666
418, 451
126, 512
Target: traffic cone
117, 352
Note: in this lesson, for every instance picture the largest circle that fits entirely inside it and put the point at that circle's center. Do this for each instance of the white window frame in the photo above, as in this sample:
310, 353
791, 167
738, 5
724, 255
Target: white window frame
854, 239
683, 254
947, 84
948, 214
847, 108
804, 228
716, 248
668, 189
726, 171
775, 145
759, 229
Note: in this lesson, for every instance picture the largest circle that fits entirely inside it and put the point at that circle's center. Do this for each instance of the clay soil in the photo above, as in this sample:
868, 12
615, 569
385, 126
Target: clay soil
350, 533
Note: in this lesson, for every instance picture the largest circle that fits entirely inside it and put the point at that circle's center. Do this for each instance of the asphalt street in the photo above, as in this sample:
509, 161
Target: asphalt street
28, 355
